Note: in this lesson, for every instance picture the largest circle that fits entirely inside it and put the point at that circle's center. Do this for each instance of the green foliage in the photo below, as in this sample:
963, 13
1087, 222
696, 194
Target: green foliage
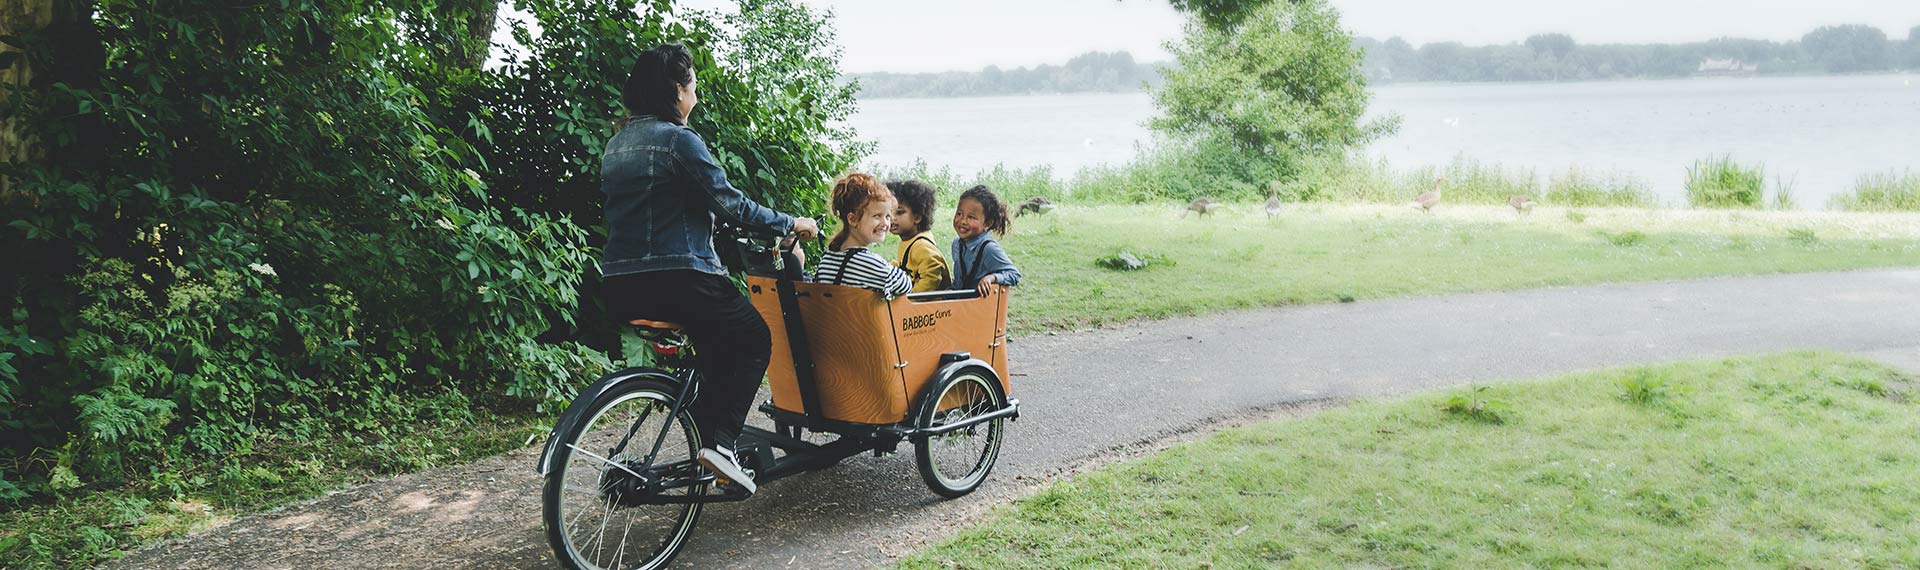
1883, 192
1719, 182
1475, 405
1577, 188
1088, 72
1576, 216
1628, 238
1848, 49
1551, 57
1253, 103
1646, 387
322, 220
1129, 261
1802, 236
1783, 194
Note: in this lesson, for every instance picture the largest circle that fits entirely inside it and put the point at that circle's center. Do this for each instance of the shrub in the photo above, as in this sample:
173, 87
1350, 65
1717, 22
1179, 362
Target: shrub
1576, 188
1470, 181
1719, 182
1645, 387
1627, 238
1884, 192
291, 222
1475, 405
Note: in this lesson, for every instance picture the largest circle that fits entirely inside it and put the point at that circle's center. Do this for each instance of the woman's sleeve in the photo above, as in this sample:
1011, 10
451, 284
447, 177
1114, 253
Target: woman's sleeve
721, 198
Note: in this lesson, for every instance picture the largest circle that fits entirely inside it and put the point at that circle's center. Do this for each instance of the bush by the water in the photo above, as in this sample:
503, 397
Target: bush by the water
1720, 182
1883, 192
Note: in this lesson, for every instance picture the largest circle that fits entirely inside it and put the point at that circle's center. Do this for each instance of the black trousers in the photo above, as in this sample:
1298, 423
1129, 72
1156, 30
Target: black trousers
731, 342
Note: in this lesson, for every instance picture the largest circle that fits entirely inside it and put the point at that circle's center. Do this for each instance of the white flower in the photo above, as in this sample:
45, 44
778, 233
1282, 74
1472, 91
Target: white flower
445, 224
483, 289
262, 269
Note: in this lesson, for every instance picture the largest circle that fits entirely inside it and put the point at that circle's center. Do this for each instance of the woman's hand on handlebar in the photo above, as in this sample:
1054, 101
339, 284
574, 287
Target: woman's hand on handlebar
806, 228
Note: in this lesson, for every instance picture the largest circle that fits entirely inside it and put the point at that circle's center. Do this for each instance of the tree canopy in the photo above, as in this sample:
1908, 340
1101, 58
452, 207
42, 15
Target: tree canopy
1282, 86
269, 222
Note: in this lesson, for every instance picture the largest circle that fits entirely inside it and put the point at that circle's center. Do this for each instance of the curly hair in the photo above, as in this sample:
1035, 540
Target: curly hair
653, 84
917, 196
991, 206
851, 194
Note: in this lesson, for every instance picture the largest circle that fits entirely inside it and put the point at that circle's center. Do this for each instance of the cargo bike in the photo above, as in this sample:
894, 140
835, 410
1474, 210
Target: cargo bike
851, 372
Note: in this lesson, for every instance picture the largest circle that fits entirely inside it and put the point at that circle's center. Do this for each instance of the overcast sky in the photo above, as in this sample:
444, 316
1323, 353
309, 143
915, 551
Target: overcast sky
942, 35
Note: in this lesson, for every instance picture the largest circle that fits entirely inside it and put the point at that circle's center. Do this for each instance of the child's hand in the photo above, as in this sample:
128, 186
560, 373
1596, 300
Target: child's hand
986, 284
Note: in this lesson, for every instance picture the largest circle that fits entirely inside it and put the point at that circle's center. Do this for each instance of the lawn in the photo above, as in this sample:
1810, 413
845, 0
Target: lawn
1331, 252
1799, 460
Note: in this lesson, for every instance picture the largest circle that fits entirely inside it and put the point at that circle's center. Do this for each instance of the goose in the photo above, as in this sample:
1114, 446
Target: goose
1203, 206
1036, 204
1521, 204
1426, 202
1273, 199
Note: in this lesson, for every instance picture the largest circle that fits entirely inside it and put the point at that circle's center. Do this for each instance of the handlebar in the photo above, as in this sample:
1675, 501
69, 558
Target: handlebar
766, 252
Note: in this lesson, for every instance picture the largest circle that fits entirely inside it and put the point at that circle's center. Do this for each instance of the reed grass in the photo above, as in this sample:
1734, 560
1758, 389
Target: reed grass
1883, 192
1579, 188
1720, 182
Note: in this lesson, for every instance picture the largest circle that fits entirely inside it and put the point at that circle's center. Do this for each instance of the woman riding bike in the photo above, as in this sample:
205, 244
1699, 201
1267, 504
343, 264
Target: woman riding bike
664, 194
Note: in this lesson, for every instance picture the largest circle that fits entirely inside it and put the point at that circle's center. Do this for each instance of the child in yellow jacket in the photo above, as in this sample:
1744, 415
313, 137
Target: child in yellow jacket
912, 218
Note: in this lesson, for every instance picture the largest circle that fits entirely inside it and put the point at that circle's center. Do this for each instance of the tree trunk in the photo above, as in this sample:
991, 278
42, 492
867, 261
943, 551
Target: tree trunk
18, 18
472, 50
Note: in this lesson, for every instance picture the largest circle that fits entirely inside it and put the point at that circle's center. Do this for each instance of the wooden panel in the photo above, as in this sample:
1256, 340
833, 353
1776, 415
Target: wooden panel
928, 329
853, 353
856, 339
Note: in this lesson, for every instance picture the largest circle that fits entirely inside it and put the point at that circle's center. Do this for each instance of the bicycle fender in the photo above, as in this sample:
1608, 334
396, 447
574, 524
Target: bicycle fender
945, 374
585, 400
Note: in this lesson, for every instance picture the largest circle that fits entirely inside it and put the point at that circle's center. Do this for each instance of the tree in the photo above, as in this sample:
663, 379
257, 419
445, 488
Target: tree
1913, 49
1848, 48
1220, 14
1556, 45
1282, 86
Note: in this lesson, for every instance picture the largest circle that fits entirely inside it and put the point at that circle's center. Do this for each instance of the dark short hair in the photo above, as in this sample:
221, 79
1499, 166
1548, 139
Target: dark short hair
990, 204
653, 85
917, 196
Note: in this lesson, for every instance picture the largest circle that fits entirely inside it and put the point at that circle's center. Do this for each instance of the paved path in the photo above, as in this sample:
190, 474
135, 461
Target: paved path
1088, 394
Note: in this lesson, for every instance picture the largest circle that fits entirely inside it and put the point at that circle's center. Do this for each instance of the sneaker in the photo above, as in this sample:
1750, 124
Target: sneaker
721, 462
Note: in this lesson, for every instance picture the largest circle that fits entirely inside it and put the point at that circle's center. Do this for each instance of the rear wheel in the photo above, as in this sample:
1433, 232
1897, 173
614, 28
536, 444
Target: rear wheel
596, 509
954, 463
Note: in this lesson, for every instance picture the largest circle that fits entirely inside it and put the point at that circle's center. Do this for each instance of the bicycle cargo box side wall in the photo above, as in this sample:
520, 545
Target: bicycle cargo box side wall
926, 330
853, 350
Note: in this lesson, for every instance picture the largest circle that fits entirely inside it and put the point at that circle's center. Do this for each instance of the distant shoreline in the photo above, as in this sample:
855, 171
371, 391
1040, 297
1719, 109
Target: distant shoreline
1375, 84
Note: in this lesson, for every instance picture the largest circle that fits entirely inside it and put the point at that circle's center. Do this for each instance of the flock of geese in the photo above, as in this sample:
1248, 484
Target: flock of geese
1426, 201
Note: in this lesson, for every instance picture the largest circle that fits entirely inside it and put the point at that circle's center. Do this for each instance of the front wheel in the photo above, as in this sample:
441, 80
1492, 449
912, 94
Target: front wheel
954, 463
598, 503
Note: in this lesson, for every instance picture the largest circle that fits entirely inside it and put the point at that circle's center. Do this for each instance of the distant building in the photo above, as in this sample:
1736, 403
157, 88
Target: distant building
1712, 66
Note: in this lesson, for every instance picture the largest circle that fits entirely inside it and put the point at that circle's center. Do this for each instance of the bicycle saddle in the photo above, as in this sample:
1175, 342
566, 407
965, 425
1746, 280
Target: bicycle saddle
644, 326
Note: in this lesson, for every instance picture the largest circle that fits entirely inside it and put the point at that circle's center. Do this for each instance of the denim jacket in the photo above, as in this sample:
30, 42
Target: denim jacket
664, 193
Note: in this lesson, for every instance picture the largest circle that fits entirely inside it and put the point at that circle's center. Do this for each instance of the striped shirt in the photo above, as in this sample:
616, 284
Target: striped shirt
857, 267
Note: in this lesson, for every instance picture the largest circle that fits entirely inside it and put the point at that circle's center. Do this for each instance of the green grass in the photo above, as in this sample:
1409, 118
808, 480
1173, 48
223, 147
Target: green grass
1321, 252
1801, 460
1720, 182
1578, 188
1887, 192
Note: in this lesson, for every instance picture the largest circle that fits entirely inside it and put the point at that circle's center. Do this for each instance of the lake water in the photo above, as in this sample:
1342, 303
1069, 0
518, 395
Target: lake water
1820, 133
